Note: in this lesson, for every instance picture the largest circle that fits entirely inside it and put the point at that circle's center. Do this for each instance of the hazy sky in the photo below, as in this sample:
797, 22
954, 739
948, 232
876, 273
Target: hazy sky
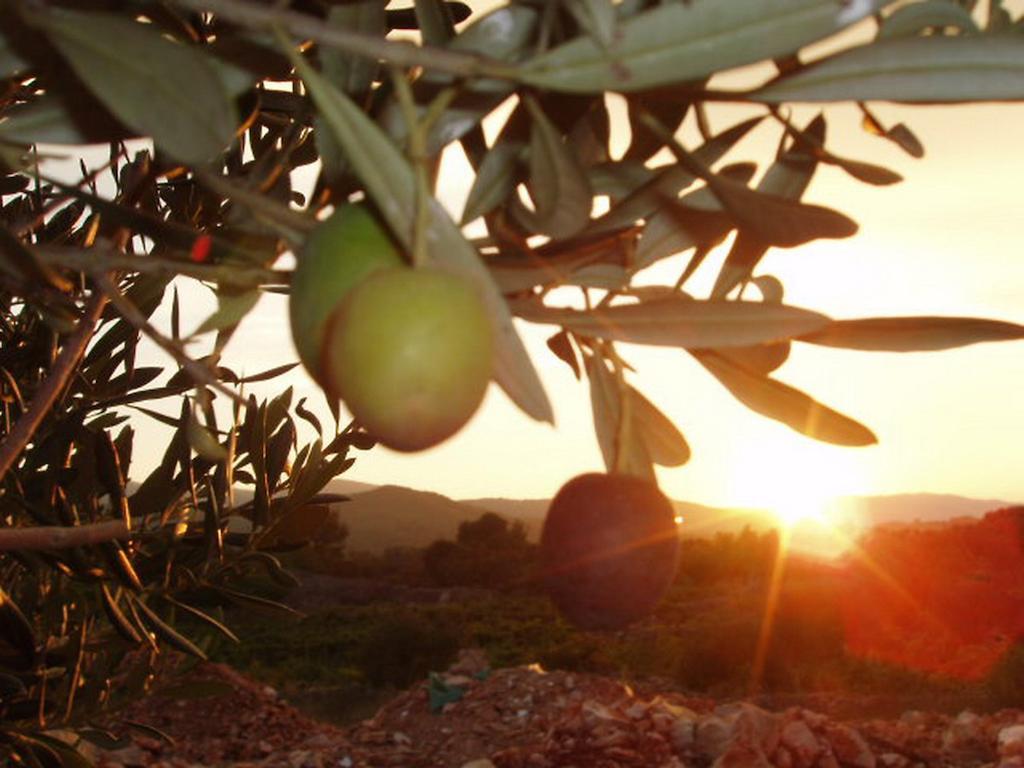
946, 241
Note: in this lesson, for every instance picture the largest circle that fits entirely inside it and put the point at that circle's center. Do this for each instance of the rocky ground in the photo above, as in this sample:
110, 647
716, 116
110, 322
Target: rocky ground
526, 717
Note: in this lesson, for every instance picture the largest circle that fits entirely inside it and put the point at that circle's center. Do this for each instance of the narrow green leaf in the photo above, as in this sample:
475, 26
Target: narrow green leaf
205, 618
167, 633
678, 321
783, 403
232, 307
912, 334
679, 42
911, 69
43, 120
558, 184
495, 179
11, 62
163, 89
204, 443
354, 74
390, 182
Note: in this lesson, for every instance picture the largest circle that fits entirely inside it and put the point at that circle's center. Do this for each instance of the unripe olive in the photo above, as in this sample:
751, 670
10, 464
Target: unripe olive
609, 549
409, 352
340, 252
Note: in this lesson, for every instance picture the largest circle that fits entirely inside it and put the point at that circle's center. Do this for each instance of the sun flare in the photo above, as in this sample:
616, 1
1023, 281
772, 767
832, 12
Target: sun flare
802, 489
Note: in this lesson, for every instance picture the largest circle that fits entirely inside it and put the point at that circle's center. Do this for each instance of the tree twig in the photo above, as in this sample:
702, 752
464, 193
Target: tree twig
51, 388
61, 537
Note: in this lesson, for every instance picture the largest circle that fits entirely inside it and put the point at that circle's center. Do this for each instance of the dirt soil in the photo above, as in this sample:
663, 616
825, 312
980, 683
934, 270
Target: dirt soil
526, 717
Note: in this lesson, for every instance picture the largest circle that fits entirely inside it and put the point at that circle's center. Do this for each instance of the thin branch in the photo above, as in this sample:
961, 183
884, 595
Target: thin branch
61, 537
403, 54
84, 259
54, 384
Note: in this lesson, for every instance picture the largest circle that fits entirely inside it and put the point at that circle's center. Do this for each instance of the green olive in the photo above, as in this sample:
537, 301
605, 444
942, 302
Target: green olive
409, 352
339, 253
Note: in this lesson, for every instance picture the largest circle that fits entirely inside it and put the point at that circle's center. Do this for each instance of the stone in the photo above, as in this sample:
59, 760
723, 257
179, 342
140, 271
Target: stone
683, 733
712, 736
1010, 741
742, 756
482, 763
850, 748
799, 739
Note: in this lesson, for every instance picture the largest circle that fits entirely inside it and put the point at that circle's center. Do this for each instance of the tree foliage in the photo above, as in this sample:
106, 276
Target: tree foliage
238, 98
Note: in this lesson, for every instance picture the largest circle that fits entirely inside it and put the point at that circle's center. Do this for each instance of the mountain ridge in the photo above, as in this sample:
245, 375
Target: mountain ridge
380, 517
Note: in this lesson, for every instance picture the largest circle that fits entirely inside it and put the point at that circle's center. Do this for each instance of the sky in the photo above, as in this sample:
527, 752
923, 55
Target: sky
945, 241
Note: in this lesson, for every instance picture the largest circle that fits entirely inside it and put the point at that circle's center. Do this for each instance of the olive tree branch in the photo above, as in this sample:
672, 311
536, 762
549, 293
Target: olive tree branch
61, 537
54, 384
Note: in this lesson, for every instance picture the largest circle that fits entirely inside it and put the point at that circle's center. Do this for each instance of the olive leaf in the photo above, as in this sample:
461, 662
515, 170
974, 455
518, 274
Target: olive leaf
678, 321
164, 89
232, 307
495, 179
784, 403
558, 184
672, 43
671, 181
622, 446
912, 334
910, 69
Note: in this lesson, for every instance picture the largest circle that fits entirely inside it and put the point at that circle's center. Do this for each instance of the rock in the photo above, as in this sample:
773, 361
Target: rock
801, 743
893, 760
683, 733
712, 736
1010, 741
482, 763
849, 747
965, 739
742, 756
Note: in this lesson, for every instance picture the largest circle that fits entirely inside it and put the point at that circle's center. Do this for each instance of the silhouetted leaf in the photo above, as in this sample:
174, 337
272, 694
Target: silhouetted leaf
911, 69
622, 446
126, 64
166, 632
16, 629
678, 321
563, 349
783, 403
912, 334
670, 44
665, 443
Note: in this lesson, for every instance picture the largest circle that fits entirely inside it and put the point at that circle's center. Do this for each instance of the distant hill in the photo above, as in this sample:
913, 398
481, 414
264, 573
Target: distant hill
908, 508
379, 517
393, 516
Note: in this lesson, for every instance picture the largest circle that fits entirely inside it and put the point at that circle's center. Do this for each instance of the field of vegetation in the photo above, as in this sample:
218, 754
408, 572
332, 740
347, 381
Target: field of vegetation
340, 659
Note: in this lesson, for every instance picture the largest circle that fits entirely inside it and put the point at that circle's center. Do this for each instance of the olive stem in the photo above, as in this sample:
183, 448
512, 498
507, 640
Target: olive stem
418, 155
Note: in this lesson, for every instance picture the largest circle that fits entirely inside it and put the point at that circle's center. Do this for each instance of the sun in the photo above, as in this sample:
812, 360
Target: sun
801, 485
